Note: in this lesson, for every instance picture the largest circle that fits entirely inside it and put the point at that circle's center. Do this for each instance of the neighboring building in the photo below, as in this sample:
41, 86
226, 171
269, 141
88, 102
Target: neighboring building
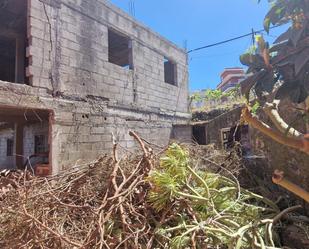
223, 129
76, 74
218, 128
230, 78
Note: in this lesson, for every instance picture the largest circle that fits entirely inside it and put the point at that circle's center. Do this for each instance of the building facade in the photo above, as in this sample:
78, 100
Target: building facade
76, 75
230, 78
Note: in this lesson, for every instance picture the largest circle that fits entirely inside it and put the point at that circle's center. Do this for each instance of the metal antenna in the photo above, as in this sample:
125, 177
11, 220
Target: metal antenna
132, 8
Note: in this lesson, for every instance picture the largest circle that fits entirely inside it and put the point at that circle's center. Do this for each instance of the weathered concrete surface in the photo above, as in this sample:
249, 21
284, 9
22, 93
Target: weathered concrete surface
182, 133
293, 162
72, 59
90, 98
209, 132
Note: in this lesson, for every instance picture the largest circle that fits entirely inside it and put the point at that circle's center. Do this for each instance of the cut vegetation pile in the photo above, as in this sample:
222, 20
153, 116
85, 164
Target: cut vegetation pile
180, 198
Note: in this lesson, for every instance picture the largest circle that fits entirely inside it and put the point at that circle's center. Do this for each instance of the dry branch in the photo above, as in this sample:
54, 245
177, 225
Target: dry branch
107, 204
278, 178
272, 111
301, 144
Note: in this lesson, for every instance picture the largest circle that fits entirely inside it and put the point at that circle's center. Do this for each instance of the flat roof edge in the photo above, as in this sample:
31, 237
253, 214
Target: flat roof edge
118, 10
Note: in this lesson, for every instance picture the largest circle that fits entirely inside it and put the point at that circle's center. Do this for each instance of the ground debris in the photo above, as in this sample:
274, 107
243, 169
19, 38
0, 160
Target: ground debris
184, 197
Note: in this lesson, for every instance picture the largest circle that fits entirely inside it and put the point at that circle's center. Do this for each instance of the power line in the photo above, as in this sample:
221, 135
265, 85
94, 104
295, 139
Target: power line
229, 40
238, 51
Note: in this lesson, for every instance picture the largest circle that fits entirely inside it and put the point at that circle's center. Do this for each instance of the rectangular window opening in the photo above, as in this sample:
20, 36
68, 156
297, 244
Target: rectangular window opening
119, 50
170, 72
9, 147
13, 41
226, 137
40, 144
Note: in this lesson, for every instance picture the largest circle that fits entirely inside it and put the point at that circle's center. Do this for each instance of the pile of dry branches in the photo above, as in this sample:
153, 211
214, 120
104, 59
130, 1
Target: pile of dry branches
100, 205
115, 202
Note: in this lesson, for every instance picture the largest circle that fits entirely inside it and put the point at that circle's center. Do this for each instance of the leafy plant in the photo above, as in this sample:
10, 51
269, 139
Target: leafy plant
213, 94
255, 107
280, 72
203, 208
196, 97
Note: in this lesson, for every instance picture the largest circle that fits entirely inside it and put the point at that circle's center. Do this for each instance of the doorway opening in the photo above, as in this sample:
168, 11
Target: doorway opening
25, 139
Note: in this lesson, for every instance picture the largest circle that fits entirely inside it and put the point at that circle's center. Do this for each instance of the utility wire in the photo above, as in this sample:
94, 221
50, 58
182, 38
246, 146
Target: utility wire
238, 51
229, 40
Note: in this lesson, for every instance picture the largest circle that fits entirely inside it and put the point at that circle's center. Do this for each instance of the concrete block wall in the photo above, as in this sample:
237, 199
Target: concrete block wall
82, 134
82, 130
182, 133
6, 161
92, 99
69, 55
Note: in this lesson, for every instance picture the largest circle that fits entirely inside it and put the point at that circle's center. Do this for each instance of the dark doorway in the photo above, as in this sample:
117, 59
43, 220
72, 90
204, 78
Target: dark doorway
199, 134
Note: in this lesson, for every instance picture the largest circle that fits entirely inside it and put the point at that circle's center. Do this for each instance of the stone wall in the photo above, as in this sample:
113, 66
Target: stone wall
274, 155
293, 162
209, 132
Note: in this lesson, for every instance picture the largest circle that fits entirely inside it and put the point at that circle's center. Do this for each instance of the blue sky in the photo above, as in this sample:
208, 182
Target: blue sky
201, 22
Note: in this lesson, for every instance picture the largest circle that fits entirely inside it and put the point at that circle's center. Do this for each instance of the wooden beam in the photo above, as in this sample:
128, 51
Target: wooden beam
19, 119
6, 126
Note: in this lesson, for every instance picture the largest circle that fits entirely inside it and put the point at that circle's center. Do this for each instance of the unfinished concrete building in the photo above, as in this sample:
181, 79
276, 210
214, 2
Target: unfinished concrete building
74, 72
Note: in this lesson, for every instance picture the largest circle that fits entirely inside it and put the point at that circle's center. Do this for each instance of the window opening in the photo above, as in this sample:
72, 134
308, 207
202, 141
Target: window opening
170, 72
119, 50
13, 41
40, 144
9, 147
